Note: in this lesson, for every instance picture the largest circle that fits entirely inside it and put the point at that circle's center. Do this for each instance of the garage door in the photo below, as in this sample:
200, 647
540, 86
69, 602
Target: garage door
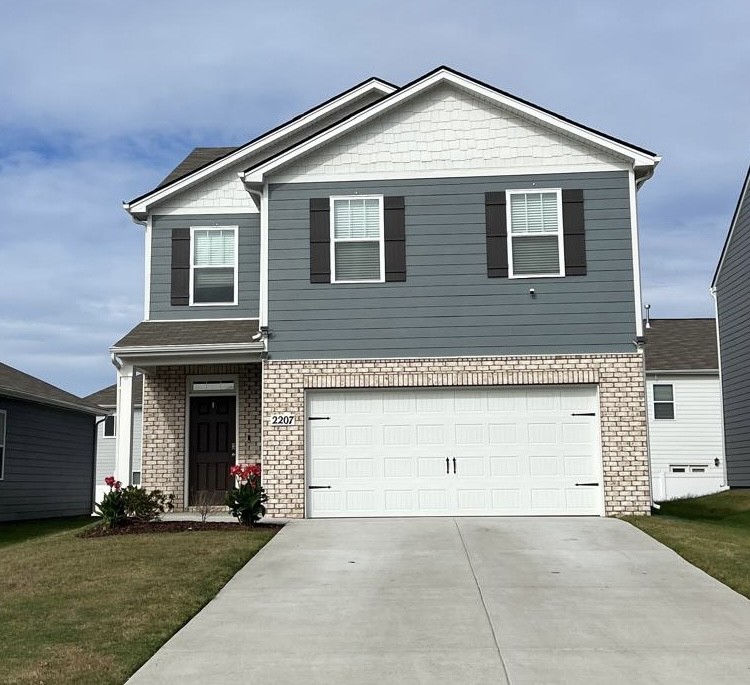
459, 452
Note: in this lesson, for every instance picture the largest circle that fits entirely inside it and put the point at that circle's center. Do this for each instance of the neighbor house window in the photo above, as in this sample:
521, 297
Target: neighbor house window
136, 478
683, 468
663, 402
357, 253
213, 266
535, 233
3, 420
109, 427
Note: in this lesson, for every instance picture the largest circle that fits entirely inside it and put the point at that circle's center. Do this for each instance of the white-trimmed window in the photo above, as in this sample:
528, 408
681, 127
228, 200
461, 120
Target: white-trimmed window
213, 265
684, 468
663, 401
110, 426
3, 421
535, 233
357, 245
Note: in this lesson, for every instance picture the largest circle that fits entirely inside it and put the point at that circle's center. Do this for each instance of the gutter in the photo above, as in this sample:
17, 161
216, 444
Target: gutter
62, 404
162, 350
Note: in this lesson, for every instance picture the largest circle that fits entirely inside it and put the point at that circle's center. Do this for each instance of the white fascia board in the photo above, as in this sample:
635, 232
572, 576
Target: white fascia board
636, 157
636, 250
740, 201
142, 205
188, 349
681, 372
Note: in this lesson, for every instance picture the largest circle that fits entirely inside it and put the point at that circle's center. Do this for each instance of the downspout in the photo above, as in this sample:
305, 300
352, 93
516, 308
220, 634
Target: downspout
721, 391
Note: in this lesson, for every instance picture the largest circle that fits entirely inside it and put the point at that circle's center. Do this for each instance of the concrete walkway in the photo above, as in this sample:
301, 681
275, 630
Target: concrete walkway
471, 601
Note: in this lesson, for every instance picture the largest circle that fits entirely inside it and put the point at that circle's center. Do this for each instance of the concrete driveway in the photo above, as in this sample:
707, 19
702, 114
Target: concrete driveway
472, 600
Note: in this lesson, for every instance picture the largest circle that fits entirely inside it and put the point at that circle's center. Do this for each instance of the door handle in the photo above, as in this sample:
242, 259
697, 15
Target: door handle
454, 465
447, 465
589, 485
318, 487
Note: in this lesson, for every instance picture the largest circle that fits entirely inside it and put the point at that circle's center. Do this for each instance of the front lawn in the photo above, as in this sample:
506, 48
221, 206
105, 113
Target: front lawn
711, 532
92, 610
18, 531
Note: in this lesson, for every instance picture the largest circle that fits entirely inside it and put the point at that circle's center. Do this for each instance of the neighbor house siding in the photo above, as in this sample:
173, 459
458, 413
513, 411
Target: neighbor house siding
733, 303
248, 260
448, 305
694, 435
49, 462
105, 448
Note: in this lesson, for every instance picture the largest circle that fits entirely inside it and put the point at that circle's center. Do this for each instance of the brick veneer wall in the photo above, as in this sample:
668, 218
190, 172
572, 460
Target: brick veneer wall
164, 401
622, 407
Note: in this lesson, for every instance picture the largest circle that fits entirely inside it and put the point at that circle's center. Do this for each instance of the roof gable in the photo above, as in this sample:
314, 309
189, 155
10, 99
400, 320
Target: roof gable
203, 162
107, 397
638, 158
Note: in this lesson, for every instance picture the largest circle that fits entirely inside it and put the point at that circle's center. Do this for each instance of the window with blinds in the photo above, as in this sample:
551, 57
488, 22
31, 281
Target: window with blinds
357, 239
535, 233
214, 265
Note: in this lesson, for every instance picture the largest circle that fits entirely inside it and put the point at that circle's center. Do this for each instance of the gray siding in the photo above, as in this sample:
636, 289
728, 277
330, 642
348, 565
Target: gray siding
105, 448
733, 297
49, 462
248, 259
448, 305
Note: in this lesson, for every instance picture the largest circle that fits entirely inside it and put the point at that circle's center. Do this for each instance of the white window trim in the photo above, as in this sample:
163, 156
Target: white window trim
654, 402
3, 439
114, 427
235, 230
381, 237
560, 232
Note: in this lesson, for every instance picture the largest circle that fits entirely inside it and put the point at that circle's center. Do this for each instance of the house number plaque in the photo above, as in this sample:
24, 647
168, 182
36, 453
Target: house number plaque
282, 420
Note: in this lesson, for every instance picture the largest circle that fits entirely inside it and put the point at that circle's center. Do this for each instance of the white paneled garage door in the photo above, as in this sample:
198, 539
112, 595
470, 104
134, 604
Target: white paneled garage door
440, 452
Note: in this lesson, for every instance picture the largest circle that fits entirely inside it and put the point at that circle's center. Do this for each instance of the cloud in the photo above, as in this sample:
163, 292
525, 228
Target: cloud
101, 99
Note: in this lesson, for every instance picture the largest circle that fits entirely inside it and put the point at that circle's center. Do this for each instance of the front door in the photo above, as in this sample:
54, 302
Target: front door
212, 448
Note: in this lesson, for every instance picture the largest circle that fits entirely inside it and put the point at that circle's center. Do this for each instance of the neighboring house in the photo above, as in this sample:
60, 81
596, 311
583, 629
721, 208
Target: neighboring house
106, 433
684, 408
731, 290
46, 449
406, 301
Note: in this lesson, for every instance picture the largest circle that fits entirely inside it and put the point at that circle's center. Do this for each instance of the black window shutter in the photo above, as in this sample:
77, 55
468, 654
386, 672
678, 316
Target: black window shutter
497, 235
320, 240
395, 238
574, 236
180, 293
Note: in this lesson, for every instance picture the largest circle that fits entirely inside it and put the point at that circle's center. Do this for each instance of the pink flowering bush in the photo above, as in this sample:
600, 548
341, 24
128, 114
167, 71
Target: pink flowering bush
246, 500
131, 504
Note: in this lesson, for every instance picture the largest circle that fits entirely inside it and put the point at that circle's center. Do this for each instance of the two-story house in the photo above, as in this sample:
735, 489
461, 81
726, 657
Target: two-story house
407, 301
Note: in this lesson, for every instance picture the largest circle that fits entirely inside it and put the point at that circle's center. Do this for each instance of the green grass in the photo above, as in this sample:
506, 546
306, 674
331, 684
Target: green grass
18, 531
92, 610
711, 532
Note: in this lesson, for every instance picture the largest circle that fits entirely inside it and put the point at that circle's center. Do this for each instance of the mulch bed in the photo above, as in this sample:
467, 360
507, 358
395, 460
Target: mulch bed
140, 528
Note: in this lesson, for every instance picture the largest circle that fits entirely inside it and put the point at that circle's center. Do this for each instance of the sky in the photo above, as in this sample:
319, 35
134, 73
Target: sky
99, 100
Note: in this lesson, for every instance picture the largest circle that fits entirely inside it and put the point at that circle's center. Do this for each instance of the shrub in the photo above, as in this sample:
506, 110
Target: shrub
131, 504
245, 501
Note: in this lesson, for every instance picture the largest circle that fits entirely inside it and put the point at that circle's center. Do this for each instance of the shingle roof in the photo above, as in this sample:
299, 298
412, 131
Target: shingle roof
15, 383
107, 397
177, 333
200, 156
681, 345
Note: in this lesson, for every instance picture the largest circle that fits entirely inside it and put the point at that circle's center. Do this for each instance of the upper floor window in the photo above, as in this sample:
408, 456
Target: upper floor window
663, 401
3, 418
213, 266
357, 247
536, 234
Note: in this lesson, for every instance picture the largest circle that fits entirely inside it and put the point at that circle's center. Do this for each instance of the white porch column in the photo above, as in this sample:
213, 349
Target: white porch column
124, 431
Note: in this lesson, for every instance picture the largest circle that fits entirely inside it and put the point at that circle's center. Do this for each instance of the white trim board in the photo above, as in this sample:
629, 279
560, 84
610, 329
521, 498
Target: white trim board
740, 201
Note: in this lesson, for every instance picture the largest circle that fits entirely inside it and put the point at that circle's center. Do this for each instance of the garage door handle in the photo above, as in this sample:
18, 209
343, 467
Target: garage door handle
454, 465
318, 487
585, 413
590, 485
447, 465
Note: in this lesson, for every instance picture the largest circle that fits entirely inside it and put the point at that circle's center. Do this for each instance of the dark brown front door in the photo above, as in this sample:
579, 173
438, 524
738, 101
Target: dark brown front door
212, 440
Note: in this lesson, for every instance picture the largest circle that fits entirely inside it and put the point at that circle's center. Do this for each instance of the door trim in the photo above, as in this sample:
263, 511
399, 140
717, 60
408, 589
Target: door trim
190, 379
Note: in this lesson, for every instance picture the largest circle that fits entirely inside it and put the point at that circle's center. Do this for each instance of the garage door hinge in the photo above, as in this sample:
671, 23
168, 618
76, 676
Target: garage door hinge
584, 413
318, 418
